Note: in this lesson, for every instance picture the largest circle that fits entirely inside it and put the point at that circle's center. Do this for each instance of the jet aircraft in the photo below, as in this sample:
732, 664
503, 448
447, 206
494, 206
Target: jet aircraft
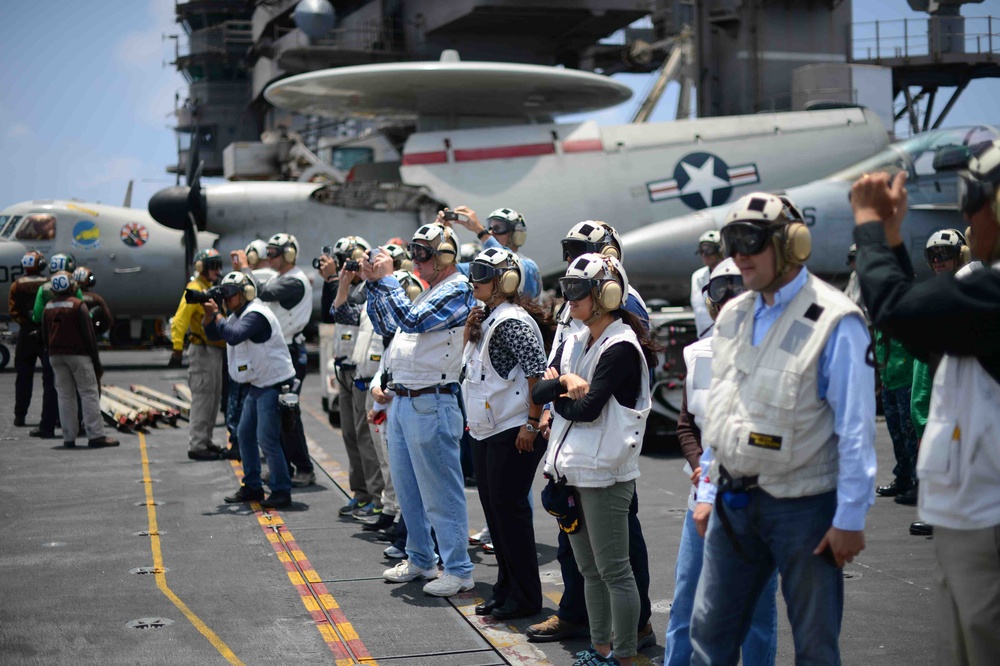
661, 256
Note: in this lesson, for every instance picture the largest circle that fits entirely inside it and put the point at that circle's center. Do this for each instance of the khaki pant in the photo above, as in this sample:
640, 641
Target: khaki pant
75, 374
390, 506
205, 381
364, 475
968, 585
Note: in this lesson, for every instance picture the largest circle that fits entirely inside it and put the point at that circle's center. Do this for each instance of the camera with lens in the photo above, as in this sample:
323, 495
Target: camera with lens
452, 216
352, 265
202, 297
327, 251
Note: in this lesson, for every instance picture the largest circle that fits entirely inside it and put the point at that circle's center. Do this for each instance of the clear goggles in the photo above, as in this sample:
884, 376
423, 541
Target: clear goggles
745, 238
575, 289
720, 289
708, 249
499, 226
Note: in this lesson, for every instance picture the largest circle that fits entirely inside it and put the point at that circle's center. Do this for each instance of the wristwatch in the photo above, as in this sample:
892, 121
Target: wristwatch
483, 233
530, 428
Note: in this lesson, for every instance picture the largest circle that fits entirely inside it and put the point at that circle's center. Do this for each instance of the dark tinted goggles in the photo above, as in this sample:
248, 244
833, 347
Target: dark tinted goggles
211, 263
420, 253
721, 289
480, 272
273, 252
574, 247
745, 238
230, 290
574, 288
973, 193
940, 253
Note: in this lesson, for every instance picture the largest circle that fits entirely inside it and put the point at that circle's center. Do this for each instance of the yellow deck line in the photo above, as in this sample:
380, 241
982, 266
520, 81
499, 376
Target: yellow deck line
161, 577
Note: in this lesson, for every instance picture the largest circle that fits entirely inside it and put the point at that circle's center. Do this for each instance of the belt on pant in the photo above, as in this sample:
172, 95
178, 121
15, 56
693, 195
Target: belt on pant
407, 393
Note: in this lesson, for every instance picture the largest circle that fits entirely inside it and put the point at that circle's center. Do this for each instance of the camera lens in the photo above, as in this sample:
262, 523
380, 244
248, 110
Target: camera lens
352, 265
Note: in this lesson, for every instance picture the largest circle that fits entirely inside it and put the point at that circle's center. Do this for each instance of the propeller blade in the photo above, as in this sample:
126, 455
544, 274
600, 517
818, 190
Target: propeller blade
194, 155
195, 198
190, 242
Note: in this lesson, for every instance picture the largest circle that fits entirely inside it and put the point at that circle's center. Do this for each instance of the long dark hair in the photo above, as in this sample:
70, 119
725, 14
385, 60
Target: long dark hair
650, 347
544, 320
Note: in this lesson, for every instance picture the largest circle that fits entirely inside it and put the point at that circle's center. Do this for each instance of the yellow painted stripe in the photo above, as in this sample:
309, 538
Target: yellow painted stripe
161, 578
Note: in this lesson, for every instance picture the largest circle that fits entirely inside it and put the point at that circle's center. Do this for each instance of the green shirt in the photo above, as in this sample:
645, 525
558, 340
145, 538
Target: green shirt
920, 396
894, 362
43, 296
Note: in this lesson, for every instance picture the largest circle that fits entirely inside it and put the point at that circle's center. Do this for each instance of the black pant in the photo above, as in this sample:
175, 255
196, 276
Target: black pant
573, 605
50, 400
293, 443
27, 351
504, 477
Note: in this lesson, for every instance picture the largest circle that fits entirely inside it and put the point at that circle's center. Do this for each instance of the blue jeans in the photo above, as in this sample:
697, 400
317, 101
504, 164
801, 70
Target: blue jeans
424, 460
771, 531
234, 409
761, 644
260, 425
896, 405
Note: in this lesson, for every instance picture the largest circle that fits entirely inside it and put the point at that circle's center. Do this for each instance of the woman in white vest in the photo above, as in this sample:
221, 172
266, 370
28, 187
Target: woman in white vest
504, 358
600, 395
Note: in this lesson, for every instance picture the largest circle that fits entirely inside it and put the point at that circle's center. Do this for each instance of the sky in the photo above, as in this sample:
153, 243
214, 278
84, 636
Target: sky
86, 99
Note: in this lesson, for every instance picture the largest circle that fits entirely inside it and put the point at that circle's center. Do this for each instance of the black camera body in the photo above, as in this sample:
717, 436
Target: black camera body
352, 265
326, 251
452, 216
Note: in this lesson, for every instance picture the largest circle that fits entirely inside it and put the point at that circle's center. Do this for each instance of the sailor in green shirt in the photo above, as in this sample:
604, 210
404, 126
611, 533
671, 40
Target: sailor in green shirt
895, 366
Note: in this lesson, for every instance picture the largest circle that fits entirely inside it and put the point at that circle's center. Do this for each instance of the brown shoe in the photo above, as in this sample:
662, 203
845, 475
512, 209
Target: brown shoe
102, 442
646, 637
555, 629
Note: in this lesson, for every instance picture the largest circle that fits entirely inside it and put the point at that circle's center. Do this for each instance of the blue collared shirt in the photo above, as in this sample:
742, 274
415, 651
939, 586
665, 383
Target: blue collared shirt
532, 276
847, 383
446, 306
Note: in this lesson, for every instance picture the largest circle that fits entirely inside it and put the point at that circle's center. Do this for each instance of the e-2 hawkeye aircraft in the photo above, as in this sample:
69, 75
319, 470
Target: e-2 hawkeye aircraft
486, 138
661, 256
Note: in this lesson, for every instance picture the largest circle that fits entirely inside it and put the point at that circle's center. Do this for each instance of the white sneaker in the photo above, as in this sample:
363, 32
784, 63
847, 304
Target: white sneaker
448, 585
404, 573
481, 537
394, 553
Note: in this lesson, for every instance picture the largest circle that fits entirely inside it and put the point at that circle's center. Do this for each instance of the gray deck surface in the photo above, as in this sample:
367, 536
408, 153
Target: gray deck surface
291, 587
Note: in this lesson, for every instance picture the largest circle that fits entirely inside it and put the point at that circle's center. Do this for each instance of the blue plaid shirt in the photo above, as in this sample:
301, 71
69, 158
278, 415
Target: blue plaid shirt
446, 306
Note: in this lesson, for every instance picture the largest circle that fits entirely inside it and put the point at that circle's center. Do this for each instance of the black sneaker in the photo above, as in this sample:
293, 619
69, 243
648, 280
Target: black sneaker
384, 521
245, 494
42, 434
204, 454
102, 442
388, 535
232, 453
277, 500
18, 421
69, 443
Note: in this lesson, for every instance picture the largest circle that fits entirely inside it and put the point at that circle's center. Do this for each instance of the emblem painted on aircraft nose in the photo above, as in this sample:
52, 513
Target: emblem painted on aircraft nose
702, 180
86, 236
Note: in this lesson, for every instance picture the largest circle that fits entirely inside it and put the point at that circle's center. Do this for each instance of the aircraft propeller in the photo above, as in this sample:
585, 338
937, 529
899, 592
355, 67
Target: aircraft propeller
183, 207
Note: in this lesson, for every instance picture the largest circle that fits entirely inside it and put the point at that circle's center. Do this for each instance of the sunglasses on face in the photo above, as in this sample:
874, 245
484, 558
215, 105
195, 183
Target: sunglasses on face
420, 253
575, 289
480, 272
745, 238
574, 247
940, 253
724, 287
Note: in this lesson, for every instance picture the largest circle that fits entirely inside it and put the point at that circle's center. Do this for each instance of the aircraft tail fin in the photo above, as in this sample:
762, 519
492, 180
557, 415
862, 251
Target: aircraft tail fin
128, 195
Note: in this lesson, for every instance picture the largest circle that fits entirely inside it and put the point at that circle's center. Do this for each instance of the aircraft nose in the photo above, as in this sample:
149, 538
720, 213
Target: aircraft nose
664, 252
170, 207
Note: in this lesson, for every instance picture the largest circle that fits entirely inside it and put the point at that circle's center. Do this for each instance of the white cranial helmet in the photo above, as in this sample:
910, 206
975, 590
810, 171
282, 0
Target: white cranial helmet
256, 250
410, 283
607, 280
499, 264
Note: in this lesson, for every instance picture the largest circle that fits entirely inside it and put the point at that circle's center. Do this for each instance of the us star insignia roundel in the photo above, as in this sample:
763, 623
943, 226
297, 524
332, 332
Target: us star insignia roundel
702, 180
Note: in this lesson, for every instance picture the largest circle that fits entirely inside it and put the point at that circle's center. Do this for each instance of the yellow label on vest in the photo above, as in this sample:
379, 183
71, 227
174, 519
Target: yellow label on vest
375, 357
346, 336
242, 368
956, 434
772, 442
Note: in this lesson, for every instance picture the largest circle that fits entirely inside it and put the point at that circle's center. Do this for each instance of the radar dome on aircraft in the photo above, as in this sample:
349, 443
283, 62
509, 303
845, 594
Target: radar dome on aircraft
314, 17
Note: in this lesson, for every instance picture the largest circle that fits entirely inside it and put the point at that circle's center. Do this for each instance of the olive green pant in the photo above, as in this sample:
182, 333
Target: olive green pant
601, 551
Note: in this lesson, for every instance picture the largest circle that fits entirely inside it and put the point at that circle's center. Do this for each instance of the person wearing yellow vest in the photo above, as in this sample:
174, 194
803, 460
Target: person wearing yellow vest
791, 419
205, 358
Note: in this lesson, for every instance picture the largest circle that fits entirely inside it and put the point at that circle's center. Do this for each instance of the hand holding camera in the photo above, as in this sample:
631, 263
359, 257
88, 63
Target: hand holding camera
239, 259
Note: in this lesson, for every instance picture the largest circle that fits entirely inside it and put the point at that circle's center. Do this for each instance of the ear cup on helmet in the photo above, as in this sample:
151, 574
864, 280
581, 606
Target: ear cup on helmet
253, 258
447, 253
609, 295
198, 265
520, 235
412, 291
610, 251
289, 254
797, 243
249, 291
508, 282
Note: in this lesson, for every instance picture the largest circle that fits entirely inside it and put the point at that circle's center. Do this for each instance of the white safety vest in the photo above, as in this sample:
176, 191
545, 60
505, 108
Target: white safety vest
702, 319
765, 417
345, 336
293, 320
959, 460
697, 382
367, 349
605, 451
421, 360
494, 403
260, 364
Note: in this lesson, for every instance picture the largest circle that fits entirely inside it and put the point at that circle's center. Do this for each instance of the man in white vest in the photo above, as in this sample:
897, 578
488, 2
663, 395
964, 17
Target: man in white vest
710, 251
289, 295
959, 459
364, 473
791, 418
257, 356
425, 422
